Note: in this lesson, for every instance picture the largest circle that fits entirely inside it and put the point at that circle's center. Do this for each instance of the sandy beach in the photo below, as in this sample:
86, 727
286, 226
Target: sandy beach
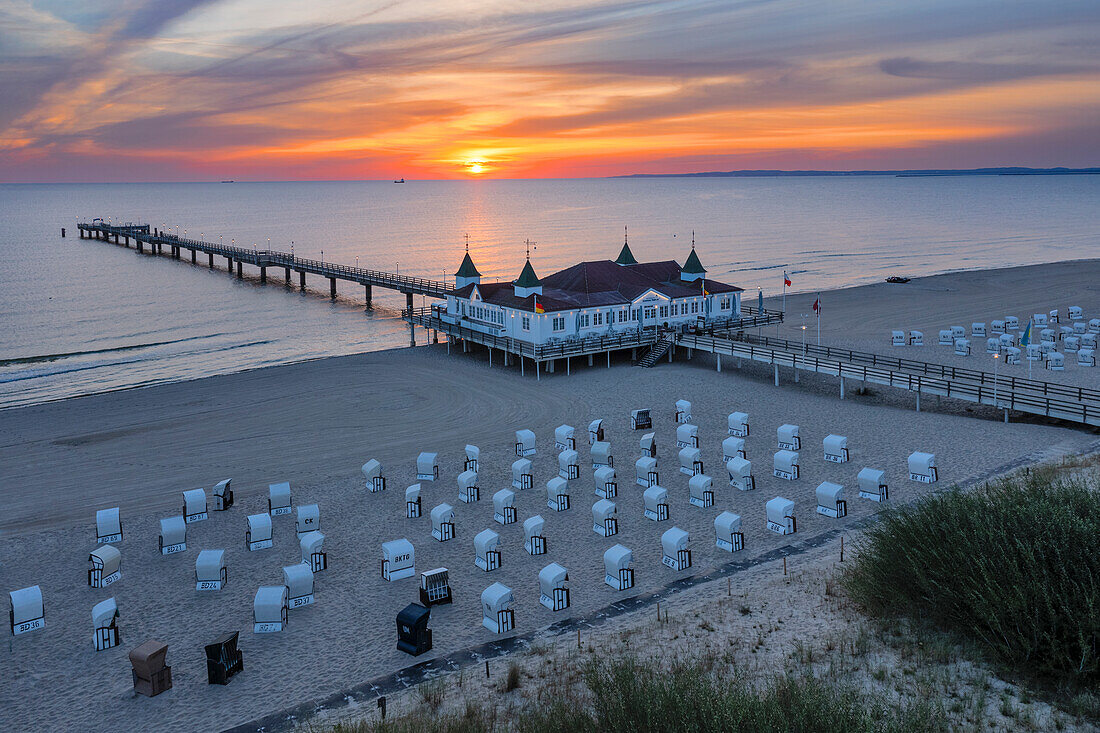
314, 424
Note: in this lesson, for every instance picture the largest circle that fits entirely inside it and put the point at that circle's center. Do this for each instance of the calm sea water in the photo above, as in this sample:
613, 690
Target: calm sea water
81, 316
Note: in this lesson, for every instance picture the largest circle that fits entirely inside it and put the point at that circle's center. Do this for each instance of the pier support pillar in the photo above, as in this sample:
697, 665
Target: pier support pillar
229, 265
522, 373
671, 351
140, 247
287, 275
794, 368
842, 388
368, 294
538, 372
263, 275
435, 340
776, 366
412, 341
194, 256
332, 288
302, 280
634, 354
409, 302
719, 363
590, 357
609, 359
918, 401
567, 372
210, 260
550, 366
239, 273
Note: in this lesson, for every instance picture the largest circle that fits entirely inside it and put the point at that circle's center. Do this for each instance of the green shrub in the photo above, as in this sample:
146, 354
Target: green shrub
1013, 566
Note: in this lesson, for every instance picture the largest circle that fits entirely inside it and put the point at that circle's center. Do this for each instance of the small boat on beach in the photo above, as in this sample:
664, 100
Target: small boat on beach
401, 181
897, 280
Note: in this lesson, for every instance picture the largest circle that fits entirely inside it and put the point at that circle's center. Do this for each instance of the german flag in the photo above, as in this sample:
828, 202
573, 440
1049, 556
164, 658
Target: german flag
538, 308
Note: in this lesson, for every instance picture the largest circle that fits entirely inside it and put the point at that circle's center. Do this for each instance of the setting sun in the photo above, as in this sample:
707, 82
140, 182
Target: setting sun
475, 167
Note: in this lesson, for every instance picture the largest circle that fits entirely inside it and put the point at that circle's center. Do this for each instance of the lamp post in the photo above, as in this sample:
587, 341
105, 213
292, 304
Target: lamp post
996, 359
803, 339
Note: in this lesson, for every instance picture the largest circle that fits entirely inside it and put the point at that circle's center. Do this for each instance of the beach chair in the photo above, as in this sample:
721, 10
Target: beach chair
1007, 340
553, 591
595, 432
258, 534
897, 338
780, 516
655, 503
993, 345
618, 567
1048, 336
674, 545
1045, 347
1012, 355
683, 411
922, 467
836, 448
640, 420
468, 490
648, 445
997, 327
738, 423
563, 438
605, 520
1054, 316
105, 625
785, 465
149, 669
601, 455
435, 587
977, 330
957, 332
701, 491
427, 466
1012, 323
687, 436
108, 526
498, 613
606, 485
1094, 325
223, 659
1088, 341
313, 553
309, 519
569, 465
521, 474
27, 612
645, 471
223, 495
1080, 328
173, 535
872, 484
533, 539
1039, 319
733, 447
298, 580
525, 443
412, 502
269, 612
1086, 357
1071, 344
830, 500
557, 494
962, 347
1056, 361
740, 471
210, 571
916, 338
413, 635
443, 522
278, 499
194, 506
1064, 332
473, 455
398, 560
1075, 313
487, 550
106, 566
727, 532
788, 437
372, 473
691, 461
946, 337
1034, 352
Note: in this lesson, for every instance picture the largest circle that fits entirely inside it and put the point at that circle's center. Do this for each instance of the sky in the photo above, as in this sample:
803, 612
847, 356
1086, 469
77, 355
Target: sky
185, 90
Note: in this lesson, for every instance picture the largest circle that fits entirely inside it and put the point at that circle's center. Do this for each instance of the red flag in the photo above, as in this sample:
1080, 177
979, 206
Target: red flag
817, 306
786, 280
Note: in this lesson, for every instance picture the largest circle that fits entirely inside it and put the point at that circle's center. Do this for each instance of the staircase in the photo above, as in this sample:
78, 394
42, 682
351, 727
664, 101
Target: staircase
659, 349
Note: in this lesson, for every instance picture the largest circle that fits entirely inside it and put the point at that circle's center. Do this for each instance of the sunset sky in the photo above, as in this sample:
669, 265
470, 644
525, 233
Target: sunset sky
137, 90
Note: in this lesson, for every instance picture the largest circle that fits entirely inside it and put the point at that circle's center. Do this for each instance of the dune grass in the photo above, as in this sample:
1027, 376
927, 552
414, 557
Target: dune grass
1013, 566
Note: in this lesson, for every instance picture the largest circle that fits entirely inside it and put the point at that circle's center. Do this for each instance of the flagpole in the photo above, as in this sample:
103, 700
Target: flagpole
819, 319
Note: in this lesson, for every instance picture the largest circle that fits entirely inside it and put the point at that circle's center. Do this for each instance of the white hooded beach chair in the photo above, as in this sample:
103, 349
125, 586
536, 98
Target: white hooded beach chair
1012, 355
521, 474
916, 338
1086, 357
733, 447
413, 507
258, 534
727, 532
106, 566
962, 347
701, 491
504, 507
740, 471
372, 473
525, 443
946, 337
553, 592
105, 625
788, 437
223, 495
1088, 340
897, 338
648, 445
780, 516
785, 465
564, 438
27, 613
655, 503
557, 494
487, 550
498, 608
830, 500
108, 526
1039, 319
473, 455
1056, 361
1094, 325
210, 570
1034, 352
533, 539
977, 330
1045, 347
645, 471
398, 560
601, 455
674, 545
1054, 316
278, 499
1080, 328
269, 609
605, 520
312, 545
683, 411
1012, 323
957, 332
569, 466
993, 345
427, 466
309, 519
1007, 340
435, 587
618, 567
687, 436
872, 484
606, 485
997, 327
738, 424
298, 580
1075, 313
640, 420
194, 506
443, 522
922, 467
173, 535
595, 431
1071, 344
468, 490
1048, 336
836, 448
1064, 332
691, 461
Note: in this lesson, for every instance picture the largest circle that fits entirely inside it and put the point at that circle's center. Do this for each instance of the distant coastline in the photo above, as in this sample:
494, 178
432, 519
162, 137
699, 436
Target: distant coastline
914, 173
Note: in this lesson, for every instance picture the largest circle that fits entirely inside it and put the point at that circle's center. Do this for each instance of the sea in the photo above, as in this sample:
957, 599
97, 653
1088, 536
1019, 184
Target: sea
79, 317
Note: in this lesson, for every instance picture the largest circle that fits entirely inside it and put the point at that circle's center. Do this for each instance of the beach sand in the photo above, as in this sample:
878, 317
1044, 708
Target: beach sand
315, 424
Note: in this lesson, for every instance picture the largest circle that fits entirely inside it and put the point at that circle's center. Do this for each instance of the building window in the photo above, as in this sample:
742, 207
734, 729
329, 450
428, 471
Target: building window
664, 311
584, 320
675, 309
694, 306
559, 323
527, 323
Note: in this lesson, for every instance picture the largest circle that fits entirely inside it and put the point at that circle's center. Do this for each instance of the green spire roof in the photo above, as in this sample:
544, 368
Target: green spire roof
693, 266
626, 257
528, 278
467, 269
